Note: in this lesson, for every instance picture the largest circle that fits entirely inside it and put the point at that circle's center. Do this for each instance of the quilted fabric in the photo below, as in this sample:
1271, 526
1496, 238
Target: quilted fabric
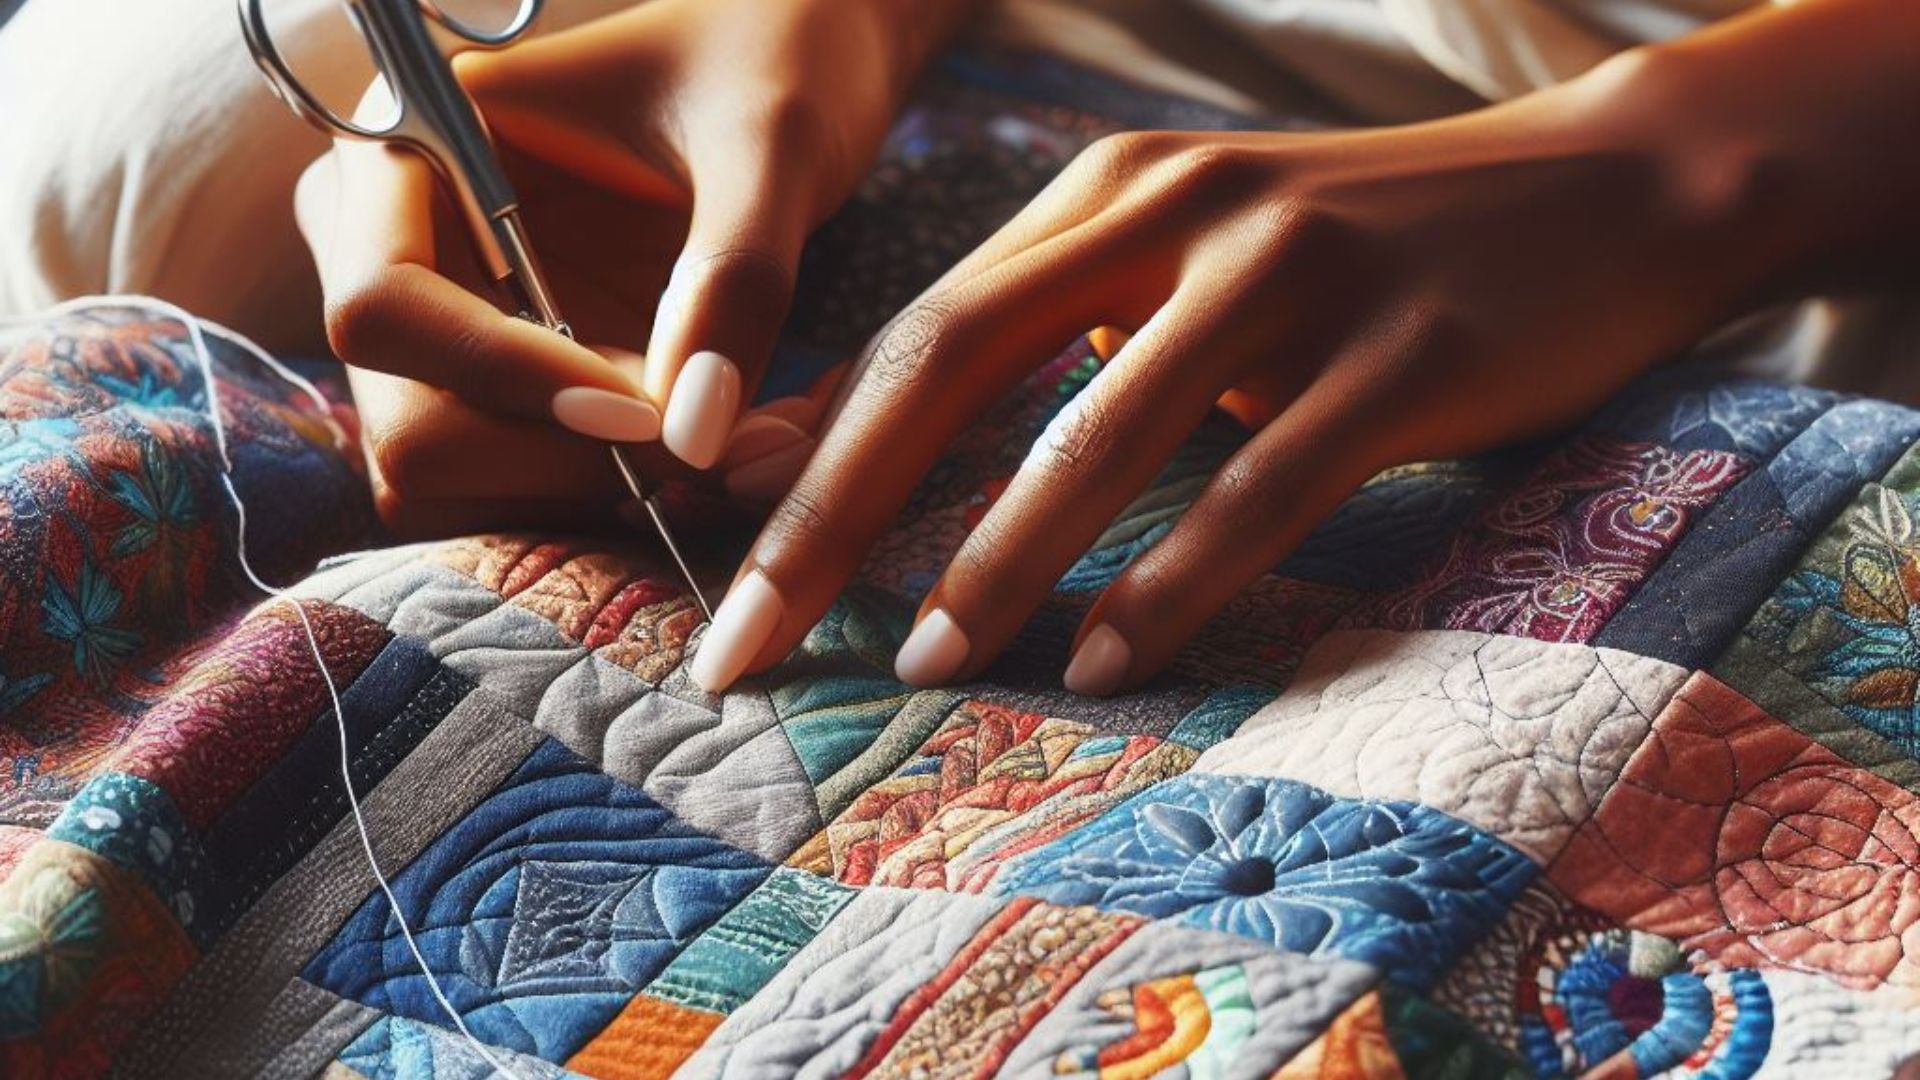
1596, 758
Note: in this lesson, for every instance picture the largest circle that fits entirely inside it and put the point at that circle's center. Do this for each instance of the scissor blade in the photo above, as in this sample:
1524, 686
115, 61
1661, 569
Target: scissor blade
660, 526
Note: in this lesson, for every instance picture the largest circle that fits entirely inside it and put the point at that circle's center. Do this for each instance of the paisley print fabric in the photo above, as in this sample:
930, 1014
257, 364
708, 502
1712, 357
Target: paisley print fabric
1594, 759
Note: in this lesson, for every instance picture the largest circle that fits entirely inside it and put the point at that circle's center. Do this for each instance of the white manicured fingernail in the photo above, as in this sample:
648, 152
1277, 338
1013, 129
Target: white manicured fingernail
702, 409
740, 629
1100, 663
605, 415
766, 478
934, 651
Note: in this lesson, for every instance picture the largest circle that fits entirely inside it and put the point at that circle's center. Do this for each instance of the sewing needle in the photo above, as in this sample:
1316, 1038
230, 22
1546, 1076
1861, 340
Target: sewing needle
652, 506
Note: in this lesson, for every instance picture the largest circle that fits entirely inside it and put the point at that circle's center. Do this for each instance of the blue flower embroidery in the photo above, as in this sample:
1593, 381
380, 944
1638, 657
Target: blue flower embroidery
1396, 884
159, 498
84, 618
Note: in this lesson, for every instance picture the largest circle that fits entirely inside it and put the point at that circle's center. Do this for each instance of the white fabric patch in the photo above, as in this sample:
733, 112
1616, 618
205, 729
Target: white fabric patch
1518, 737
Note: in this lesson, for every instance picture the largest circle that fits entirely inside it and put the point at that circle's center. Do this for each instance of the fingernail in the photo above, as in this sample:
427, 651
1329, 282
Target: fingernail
800, 411
605, 415
756, 436
702, 408
765, 479
740, 629
933, 652
1100, 663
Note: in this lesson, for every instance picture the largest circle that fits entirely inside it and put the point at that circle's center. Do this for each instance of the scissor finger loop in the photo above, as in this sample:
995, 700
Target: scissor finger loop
288, 88
486, 39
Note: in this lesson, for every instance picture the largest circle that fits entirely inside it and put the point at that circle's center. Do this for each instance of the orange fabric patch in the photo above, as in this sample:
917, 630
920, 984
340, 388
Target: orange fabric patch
1737, 835
1354, 1047
650, 1038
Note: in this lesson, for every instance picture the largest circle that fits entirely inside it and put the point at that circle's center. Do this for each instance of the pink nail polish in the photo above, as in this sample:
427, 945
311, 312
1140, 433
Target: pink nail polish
740, 629
1100, 663
702, 409
603, 414
933, 653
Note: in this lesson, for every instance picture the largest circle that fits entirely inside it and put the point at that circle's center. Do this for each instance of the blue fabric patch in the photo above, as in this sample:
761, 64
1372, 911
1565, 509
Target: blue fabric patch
395, 1048
1692, 606
400, 697
542, 911
1398, 885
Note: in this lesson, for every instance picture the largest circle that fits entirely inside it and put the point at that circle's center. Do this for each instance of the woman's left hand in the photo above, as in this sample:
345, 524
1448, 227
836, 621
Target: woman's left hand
1358, 299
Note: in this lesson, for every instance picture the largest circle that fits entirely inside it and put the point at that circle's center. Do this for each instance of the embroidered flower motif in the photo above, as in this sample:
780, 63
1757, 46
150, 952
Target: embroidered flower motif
85, 619
1556, 558
1393, 883
1853, 631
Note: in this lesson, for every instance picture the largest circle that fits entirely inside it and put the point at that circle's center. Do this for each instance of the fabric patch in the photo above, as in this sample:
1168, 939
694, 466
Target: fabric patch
1521, 738
396, 1048
831, 1001
1737, 836
1696, 601
736, 956
1354, 1046
1569, 991
1430, 1041
1396, 885
222, 728
649, 1039
964, 1021
1843, 623
1141, 1008
133, 824
1556, 558
83, 944
990, 784
563, 888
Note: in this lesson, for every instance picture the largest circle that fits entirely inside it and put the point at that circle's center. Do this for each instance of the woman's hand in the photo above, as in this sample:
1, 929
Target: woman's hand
1358, 299
673, 156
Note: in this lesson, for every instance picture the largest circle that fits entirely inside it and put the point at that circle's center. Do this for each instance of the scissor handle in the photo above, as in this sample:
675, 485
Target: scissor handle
288, 87
529, 10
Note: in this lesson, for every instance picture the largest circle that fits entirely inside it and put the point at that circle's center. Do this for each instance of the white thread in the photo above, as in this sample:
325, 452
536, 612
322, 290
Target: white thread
204, 357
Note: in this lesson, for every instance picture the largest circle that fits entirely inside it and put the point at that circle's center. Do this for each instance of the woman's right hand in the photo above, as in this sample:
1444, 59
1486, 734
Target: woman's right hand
671, 161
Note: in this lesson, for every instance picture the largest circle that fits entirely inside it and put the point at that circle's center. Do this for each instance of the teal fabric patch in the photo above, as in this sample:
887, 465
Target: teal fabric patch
132, 823
750, 944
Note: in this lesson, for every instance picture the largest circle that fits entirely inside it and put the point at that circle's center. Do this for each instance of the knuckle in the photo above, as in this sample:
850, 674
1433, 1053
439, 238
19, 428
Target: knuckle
749, 271
904, 354
1123, 150
793, 121
400, 467
804, 526
359, 321
1085, 433
1212, 174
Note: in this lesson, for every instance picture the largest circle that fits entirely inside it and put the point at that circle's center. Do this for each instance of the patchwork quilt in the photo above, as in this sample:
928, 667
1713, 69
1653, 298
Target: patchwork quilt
1591, 758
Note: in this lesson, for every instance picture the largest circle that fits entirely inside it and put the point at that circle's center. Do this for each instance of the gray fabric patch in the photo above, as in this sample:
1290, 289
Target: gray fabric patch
214, 1019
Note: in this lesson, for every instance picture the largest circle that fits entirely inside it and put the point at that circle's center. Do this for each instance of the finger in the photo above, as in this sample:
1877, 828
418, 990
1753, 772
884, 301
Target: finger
368, 216
1250, 516
920, 383
726, 299
425, 446
1095, 457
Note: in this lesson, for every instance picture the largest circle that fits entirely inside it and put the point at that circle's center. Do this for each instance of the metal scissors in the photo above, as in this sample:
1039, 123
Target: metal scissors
438, 120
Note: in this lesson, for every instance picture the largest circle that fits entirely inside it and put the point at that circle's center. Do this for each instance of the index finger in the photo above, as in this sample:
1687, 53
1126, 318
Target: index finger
930, 373
367, 214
